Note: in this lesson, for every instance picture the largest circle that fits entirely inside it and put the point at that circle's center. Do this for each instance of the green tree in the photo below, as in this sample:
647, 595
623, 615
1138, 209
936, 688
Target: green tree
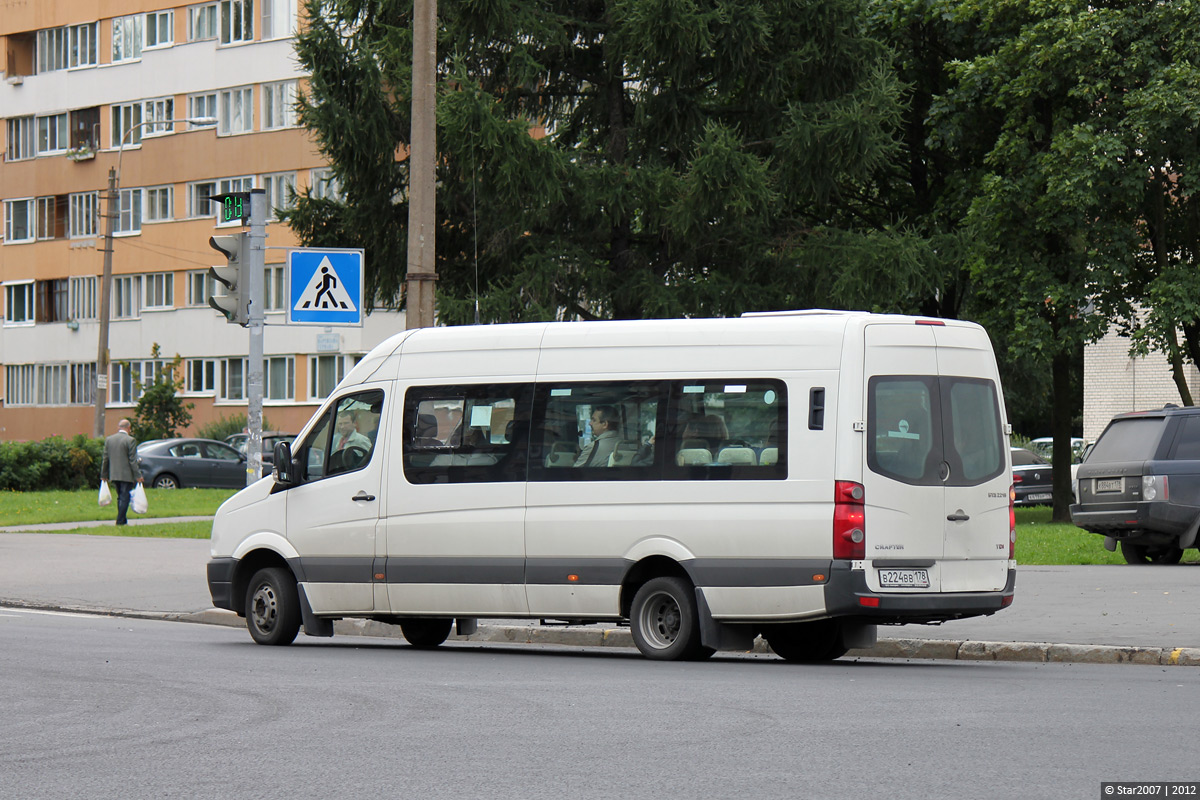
619, 158
160, 413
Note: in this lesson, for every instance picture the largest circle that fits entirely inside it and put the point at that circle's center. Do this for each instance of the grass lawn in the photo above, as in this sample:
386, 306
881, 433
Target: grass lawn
1039, 541
35, 508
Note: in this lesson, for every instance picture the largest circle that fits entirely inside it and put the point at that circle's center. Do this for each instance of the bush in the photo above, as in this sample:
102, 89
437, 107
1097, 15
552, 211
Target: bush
53, 463
227, 426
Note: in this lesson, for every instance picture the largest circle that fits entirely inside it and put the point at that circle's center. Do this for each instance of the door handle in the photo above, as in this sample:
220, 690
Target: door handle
958, 516
363, 496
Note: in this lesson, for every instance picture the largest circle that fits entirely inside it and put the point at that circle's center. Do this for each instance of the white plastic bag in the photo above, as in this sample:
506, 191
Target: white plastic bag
138, 500
105, 495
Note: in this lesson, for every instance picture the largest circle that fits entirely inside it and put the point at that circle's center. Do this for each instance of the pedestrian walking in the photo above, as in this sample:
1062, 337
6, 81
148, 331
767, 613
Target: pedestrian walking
119, 466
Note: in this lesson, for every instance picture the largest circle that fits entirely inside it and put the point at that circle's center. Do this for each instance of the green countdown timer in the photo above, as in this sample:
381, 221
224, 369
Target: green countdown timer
235, 207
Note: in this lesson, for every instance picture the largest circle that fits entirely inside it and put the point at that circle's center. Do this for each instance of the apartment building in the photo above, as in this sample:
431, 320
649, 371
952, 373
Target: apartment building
89, 85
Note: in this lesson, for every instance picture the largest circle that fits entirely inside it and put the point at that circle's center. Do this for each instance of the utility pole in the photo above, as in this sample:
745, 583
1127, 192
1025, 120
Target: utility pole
110, 214
255, 322
422, 152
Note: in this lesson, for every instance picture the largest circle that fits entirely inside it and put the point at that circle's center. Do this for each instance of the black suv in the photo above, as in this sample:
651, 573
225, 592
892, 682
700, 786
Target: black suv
1140, 485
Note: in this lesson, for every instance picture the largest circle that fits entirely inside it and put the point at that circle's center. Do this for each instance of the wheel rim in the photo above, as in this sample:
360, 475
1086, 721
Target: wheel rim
661, 620
264, 608
164, 483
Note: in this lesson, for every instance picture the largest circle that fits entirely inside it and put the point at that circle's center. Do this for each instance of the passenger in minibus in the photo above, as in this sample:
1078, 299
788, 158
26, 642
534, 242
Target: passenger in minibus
605, 438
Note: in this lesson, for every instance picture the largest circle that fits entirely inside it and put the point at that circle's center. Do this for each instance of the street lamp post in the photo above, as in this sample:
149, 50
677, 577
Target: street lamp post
112, 210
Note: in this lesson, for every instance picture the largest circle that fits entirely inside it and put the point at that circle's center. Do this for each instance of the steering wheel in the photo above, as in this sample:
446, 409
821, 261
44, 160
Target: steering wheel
348, 458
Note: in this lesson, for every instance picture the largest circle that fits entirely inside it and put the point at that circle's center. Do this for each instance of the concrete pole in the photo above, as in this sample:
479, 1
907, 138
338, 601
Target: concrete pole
422, 266
255, 322
110, 215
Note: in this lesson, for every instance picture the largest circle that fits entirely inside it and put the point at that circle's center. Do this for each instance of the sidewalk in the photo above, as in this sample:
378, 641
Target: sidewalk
1100, 614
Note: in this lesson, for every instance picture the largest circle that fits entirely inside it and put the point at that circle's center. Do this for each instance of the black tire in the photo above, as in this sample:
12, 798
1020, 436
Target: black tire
166, 481
273, 607
1146, 554
664, 621
806, 642
423, 632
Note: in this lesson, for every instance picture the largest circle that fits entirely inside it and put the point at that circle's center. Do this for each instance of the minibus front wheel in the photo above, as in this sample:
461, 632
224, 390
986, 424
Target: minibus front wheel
273, 607
664, 621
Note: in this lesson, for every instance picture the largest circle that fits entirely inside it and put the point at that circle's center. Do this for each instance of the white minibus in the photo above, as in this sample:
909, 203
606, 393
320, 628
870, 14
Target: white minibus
803, 476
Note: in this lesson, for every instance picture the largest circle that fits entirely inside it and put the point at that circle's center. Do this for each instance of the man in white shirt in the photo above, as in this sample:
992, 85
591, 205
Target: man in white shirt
347, 434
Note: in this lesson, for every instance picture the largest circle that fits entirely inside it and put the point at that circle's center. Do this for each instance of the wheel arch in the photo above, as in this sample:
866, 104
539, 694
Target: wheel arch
249, 563
645, 570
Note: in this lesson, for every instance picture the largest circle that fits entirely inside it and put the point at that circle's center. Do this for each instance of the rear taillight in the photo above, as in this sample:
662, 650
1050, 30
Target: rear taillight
849, 521
1012, 522
1017, 477
1154, 487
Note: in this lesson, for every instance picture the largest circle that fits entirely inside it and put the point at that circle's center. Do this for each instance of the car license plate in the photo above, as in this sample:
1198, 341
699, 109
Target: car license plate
1046, 496
904, 578
1109, 485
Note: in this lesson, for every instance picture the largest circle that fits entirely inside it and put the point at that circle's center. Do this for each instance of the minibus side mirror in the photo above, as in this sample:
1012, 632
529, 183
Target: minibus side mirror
285, 470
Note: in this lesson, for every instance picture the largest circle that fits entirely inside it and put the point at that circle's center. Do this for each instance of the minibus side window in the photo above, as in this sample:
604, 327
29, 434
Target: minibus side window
974, 439
344, 441
466, 433
602, 431
727, 430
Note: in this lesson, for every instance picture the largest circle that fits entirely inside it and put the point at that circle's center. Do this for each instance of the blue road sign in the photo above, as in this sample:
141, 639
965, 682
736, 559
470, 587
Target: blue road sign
326, 286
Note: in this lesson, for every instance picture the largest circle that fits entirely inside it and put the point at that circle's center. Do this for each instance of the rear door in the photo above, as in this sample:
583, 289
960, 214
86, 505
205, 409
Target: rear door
936, 480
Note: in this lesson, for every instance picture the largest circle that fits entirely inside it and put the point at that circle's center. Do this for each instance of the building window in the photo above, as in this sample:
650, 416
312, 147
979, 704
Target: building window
280, 192
127, 37
201, 105
280, 377
323, 185
52, 49
201, 376
198, 288
18, 220
52, 300
20, 139
126, 291
83, 297
84, 216
278, 18
18, 303
198, 194
279, 105
160, 28
159, 114
325, 372
83, 44
126, 122
275, 293
233, 379
202, 22
52, 136
83, 384
159, 205
160, 290
237, 21
129, 217
18, 385
85, 127
237, 111
53, 385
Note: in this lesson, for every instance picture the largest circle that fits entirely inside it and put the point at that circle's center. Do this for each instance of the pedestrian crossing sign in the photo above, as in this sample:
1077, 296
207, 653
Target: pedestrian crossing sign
326, 286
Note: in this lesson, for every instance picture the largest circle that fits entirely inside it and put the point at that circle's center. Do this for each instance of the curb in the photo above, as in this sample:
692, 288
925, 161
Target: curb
912, 649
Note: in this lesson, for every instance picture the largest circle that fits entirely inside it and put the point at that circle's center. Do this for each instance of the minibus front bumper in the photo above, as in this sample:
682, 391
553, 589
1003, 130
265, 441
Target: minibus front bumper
220, 582
847, 595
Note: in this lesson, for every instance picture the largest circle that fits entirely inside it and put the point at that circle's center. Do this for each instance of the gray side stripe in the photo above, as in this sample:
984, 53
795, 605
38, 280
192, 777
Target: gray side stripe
555, 571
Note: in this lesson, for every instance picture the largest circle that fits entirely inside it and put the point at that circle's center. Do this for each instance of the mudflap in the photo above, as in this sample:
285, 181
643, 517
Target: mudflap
313, 625
721, 635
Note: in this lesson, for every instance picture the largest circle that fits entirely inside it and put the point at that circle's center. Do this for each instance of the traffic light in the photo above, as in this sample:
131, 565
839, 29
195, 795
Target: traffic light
231, 283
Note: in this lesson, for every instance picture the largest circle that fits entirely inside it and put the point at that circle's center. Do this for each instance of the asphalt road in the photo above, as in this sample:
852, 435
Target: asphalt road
103, 707
1138, 606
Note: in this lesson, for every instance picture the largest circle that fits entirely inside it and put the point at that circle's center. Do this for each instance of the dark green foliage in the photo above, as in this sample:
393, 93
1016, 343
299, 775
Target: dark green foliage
687, 158
53, 463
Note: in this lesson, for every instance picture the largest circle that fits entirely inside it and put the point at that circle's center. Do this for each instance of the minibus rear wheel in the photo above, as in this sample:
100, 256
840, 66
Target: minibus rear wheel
806, 642
424, 632
273, 607
664, 621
